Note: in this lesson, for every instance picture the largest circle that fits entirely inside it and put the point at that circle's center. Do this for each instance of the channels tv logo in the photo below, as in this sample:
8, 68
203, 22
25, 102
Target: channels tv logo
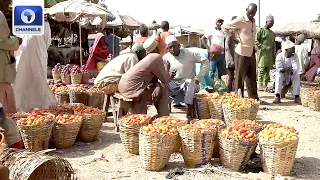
28, 20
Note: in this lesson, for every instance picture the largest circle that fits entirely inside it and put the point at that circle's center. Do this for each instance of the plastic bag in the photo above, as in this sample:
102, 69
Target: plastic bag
220, 86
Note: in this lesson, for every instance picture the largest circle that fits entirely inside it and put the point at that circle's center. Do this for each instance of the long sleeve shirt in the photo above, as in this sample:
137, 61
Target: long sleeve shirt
184, 65
245, 31
302, 53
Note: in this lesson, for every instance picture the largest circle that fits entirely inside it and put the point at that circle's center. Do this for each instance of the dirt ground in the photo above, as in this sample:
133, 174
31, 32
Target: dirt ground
118, 164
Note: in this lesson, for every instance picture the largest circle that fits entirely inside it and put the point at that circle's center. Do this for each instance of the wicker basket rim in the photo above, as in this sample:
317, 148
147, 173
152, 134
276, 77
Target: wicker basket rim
239, 141
156, 134
277, 141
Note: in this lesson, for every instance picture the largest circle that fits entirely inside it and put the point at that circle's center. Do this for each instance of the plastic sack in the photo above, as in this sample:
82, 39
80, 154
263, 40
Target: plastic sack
220, 86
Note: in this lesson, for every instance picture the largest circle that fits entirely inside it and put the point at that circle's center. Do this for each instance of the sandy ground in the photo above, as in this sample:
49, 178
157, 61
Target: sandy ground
118, 164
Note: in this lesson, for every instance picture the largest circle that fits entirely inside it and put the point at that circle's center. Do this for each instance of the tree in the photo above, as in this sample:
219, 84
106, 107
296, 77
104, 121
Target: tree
50, 3
318, 19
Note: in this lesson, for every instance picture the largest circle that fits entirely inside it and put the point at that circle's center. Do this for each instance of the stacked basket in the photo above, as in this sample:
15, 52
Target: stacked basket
129, 131
175, 123
314, 100
35, 131
236, 149
305, 87
234, 111
91, 123
156, 143
65, 130
202, 105
197, 145
78, 95
95, 97
278, 147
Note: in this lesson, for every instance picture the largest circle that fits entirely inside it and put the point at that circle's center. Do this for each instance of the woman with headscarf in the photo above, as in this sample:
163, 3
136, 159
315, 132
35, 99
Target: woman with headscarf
31, 88
7, 63
99, 52
314, 63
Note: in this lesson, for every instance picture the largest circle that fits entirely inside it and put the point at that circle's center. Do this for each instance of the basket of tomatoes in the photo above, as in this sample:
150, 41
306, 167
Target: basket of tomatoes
237, 144
174, 122
278, 148
215, 105
202, 101
129, 126
62, 94
95, 97
35, 131
78, 95
92, 121
65, 130
254, 107
213, 124
156, 144
197, 144
237, 108
314, 100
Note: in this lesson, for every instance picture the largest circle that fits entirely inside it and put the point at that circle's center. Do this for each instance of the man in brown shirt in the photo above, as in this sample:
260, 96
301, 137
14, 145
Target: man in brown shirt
139, 83
244, 28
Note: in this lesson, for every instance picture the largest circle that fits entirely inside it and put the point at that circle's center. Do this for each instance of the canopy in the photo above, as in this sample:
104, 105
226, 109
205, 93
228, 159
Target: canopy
311, 29
125, 21
73, 10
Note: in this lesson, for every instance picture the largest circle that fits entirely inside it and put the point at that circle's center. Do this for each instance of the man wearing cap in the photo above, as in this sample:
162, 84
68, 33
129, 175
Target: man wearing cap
214, 41
287, 71
142, 82
244, 28
265, 41
110, 75
185, 84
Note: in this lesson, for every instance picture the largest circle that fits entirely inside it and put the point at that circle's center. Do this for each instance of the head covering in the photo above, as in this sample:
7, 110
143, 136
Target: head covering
270, 17
219, 19
301, 38
170, 39
92, 62
287, 44
150, 44
137, 47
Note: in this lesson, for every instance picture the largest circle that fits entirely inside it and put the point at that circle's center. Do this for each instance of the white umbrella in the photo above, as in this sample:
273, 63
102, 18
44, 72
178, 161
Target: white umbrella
72, 10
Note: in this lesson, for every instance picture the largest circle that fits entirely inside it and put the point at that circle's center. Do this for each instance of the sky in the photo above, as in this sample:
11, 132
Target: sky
202, 13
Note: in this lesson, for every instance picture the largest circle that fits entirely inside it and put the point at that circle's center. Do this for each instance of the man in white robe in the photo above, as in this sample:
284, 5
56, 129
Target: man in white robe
31, 88
184, 84
287, 71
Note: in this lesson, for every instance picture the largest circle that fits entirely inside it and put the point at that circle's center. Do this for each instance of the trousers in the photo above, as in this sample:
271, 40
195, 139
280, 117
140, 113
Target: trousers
263, 75
217, 66
246, 71
185, 93
295, 79
140, 104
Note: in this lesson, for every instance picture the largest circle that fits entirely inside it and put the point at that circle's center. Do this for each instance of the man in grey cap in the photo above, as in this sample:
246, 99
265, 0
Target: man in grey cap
265, 41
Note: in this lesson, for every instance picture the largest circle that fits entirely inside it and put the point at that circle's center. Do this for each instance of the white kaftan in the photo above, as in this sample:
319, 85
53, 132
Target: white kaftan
31, 88
283, 62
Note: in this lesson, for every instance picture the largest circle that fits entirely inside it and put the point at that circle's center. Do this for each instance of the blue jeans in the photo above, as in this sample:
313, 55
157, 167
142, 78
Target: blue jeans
207, 80
217, 65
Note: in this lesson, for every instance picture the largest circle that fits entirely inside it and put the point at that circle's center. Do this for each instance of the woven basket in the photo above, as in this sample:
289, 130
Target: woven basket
95, 100
36, 137
155, 150
197, 148
62, 98
76, 97
235, 155
66, 78
317, 79
85, 78
56, 75
278, 157
76, 78
25, 165
254, 108
314, 102
110, 88
216, 111
230, 113
129, 135
91, 125
65, 134
203, 108
305, 87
